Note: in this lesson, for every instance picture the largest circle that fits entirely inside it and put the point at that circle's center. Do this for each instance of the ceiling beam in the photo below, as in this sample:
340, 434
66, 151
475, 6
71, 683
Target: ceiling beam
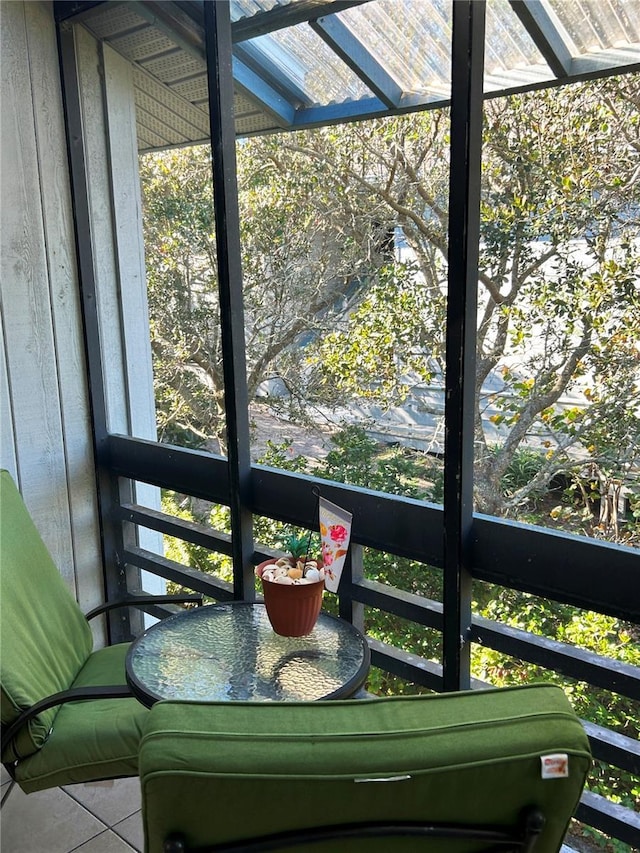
250, 54
259, 92
78, 9
281, 17
356, 56
545, 30
277, 18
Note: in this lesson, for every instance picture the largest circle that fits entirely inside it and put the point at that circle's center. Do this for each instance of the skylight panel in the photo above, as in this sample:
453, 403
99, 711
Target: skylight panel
595, 25
411, 41
508, 45
305, 59
248, 8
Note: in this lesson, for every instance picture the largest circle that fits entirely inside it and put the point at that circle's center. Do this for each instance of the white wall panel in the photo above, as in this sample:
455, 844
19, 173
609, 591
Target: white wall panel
45, 430
30, 346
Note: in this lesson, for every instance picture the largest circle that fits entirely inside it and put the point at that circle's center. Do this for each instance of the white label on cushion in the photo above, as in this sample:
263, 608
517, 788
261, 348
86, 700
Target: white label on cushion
555, 766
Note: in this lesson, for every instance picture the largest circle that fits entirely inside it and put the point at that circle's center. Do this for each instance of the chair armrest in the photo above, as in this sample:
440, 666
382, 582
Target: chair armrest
74, 694
137, 600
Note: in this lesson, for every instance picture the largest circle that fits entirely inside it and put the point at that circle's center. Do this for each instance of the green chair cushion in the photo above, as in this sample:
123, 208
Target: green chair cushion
44, 637
94, 739
224, 771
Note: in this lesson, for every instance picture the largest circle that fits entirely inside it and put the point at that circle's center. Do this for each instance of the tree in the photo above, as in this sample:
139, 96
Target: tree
336, 316
559, 310
303, 253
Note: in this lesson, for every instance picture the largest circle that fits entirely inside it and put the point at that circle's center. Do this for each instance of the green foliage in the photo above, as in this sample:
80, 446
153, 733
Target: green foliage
336, 316
587, 630
301, 247
360, 461
280, 456
296, 544
357, 459
191, 555
523, 466
384, 341
561, 267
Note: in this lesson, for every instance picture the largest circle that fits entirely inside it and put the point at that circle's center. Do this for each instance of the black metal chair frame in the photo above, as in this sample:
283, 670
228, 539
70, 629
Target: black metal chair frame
519, 839
75, 694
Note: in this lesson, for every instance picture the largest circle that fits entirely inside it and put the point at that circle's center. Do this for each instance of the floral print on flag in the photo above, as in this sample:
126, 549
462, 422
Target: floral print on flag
335, 532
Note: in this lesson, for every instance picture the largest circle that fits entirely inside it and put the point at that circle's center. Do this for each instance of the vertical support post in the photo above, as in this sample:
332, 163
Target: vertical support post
348, 609
119, 624
217, 21
464, 233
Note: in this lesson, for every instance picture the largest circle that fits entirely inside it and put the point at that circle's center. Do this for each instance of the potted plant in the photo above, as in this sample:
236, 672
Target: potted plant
292, 587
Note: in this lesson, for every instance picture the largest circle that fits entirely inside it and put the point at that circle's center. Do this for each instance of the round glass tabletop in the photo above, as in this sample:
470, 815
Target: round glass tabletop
230, 652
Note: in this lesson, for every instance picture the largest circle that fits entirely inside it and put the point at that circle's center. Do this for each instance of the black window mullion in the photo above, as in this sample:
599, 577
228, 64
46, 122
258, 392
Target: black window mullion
220, 79
464, 232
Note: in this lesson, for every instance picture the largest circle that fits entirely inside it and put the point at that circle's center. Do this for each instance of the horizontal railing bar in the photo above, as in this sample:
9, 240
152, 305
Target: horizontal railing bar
422, 611
583, 665
609, 746
614, 748
405, 665
395, 525
586, 573
180, 469
189, 531
561, 567
411, 667
162, 611
599, 671
176, 572
610, 818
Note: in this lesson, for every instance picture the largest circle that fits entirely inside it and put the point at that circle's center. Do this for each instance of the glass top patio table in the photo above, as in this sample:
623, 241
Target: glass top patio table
230, 652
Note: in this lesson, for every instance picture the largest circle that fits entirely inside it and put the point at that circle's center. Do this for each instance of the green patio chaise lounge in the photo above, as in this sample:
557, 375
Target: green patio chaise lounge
481, 770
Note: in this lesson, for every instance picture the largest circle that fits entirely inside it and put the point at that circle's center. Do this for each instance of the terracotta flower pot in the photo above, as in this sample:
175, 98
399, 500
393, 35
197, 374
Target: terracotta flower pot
292, 609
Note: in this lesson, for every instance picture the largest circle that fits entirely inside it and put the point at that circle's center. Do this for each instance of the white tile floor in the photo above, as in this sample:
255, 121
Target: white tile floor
101, 817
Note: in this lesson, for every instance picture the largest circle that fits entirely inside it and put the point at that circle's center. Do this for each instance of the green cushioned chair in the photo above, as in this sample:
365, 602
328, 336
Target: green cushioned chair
67, 713
480, 770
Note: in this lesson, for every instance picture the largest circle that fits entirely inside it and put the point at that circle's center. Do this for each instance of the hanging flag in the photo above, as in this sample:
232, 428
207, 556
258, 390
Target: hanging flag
335, 533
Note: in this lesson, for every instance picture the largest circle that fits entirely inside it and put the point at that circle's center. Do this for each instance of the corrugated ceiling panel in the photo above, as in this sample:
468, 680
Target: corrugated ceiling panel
601, 24
249, 8
410, 40
513, 79
303, 57
508, 45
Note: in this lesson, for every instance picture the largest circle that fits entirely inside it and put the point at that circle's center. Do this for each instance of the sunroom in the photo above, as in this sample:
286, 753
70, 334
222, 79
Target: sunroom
90, 89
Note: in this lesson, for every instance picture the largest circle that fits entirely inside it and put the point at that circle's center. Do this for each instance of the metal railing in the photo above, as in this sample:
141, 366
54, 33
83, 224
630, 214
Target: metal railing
562, 568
